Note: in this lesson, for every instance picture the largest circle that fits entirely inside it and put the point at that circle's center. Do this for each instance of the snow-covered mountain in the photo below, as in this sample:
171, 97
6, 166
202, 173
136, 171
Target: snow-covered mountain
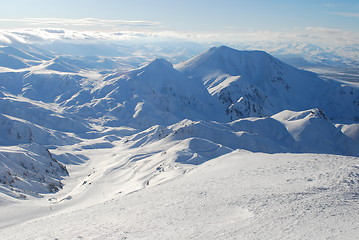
153, 94
255, 84
99, 130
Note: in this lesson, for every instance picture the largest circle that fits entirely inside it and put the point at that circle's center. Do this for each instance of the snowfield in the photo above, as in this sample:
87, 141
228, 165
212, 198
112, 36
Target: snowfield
226, 145
240, 195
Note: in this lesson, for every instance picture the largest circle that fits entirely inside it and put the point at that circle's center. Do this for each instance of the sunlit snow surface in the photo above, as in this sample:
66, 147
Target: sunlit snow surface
237, 196
226, 145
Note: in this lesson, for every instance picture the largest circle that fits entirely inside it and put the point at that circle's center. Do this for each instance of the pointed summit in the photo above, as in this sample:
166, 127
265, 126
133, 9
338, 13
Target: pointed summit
158, 65
158, 72
160, 62
160, 69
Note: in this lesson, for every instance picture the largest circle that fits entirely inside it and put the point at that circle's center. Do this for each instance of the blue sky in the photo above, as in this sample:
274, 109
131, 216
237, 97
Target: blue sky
184, 15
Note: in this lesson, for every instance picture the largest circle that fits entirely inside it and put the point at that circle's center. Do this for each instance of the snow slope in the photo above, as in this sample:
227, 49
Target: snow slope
29, 170
237, 196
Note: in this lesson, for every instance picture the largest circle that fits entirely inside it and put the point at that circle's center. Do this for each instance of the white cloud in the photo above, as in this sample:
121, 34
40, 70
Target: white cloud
103, 29
346, 14
334, 5
331, 36
316, 35
82, 24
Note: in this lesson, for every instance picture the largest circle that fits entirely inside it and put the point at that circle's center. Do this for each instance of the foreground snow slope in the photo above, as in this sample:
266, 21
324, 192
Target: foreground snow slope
240, 195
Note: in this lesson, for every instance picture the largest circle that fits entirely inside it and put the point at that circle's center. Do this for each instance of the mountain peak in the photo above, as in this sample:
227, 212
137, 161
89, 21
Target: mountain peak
221, 48
159, 63
155, 70
228, 51
227, 60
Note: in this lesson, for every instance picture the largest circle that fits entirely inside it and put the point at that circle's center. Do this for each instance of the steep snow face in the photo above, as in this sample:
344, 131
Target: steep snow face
253, 83
29, 170
153, 94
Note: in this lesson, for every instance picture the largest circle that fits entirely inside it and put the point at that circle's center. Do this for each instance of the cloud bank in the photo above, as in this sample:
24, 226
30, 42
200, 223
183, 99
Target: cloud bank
82, 24
346, 14
153, 32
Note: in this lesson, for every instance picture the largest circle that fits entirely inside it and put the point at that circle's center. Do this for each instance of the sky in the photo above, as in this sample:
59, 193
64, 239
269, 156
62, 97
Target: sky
186, 16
